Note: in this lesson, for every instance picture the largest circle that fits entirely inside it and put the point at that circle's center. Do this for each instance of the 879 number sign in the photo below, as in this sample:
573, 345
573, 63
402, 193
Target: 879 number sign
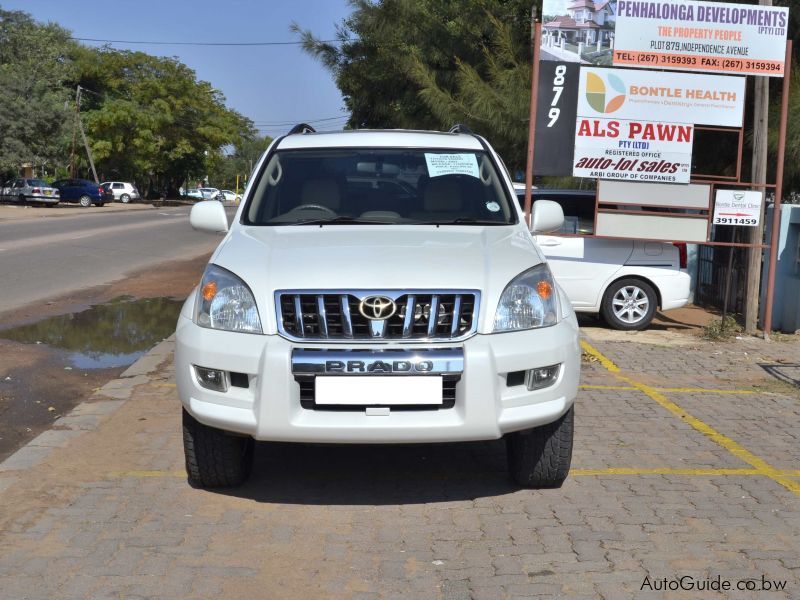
556, 113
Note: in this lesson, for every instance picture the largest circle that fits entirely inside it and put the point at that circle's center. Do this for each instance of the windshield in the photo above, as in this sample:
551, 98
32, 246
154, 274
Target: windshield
379, 186
37, 183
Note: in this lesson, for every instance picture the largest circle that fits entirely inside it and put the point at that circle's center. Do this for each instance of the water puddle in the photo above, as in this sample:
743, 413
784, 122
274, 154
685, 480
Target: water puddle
107, 335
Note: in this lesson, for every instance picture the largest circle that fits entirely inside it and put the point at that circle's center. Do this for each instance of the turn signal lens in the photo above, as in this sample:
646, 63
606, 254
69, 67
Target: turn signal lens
209, 291
544, 289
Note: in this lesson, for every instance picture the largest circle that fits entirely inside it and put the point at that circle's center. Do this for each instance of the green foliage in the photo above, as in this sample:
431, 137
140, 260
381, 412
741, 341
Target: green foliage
243, 158
33, 68
149, 119
428, 64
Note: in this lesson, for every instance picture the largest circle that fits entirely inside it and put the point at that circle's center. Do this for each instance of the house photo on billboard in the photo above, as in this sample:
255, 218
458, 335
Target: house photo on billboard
580, 31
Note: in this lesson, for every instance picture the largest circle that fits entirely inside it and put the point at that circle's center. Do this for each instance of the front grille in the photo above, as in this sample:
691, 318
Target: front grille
308, 394
332, 315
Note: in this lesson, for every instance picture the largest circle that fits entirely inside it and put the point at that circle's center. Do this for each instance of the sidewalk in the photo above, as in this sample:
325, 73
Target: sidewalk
687, 463
11, 212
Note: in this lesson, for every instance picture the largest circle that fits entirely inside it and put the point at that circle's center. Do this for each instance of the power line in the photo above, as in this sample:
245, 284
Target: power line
170, 43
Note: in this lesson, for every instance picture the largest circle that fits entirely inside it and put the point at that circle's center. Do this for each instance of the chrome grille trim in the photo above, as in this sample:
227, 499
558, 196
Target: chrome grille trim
456, 315
347, 323
433, 315
323, 317
334, 315
298, 313
411, 306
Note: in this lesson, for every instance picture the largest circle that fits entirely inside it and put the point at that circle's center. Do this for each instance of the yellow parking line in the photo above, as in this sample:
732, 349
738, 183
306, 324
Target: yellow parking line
687, 390
607, 387
730, 445
663, 471
702, 391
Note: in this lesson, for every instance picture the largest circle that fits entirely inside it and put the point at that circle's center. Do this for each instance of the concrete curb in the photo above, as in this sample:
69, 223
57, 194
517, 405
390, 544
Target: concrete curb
87, 416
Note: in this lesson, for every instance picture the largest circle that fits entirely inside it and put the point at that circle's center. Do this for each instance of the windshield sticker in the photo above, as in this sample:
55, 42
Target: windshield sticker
452, 164
493, 206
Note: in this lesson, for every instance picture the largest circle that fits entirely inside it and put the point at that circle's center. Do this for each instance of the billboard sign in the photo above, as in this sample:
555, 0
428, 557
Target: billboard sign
636, 95
633, 150
555, 118
735, 207
701, 36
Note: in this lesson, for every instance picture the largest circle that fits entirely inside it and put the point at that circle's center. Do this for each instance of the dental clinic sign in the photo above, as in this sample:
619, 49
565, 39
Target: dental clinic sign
633, 150
741, 39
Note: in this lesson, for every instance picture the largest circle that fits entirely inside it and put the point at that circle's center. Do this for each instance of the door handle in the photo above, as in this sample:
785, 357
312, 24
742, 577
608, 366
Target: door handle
550, 242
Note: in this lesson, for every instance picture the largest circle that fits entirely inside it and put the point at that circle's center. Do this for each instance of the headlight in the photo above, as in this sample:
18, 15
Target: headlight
529, 301
225, 302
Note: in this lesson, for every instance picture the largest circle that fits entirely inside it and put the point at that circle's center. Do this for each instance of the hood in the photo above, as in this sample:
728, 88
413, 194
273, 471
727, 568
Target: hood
367, 257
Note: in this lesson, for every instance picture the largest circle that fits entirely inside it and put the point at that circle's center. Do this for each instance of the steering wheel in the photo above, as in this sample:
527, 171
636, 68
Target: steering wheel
325, 209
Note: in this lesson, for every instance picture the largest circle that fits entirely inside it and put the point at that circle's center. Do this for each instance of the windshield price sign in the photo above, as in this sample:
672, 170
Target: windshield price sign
733, 207
701, 36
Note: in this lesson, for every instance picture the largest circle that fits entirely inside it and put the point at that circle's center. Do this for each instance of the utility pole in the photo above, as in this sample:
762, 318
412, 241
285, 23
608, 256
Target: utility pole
83, 135
759, 176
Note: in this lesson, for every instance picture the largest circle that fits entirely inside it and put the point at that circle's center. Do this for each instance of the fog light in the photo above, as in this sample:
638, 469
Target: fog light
536, 379
212, 379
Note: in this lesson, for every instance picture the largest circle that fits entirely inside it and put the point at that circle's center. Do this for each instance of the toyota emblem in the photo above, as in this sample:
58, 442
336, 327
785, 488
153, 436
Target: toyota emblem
377, 307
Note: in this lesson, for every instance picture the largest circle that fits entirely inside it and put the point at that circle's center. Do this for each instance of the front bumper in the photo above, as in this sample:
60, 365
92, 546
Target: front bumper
270, 408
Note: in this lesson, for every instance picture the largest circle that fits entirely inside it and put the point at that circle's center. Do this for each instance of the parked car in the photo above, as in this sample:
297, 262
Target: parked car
337, 312
210, 193
194, 194
22, 190
229, 196
122, 191
625, 281
82, 191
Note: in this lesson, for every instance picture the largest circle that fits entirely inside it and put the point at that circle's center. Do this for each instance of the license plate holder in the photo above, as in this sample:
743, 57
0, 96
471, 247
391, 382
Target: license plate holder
379, 391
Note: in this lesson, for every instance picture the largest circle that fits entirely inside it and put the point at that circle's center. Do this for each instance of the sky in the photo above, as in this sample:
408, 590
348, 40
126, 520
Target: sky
271, 85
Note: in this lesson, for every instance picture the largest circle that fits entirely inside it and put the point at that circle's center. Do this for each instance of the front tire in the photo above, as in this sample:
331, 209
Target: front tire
21, 199
629, 305
215, 458
540, 457
85, 201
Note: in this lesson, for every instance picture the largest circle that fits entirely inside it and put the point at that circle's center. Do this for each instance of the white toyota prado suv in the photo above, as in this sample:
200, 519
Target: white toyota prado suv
377, 287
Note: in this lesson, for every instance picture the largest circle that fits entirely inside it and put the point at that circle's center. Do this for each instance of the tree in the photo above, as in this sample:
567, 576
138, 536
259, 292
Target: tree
34, 64
149, 119
431, 63
238, 162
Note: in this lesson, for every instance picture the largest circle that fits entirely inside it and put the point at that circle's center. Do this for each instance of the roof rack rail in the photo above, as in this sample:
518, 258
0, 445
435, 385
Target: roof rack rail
301, 128
461, 128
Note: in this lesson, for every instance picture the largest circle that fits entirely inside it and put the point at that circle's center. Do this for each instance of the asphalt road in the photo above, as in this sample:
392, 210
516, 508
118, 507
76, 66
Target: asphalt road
44, 257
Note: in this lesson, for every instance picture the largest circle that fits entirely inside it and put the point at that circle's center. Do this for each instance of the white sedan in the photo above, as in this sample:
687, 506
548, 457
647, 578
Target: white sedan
625, 281
229, 196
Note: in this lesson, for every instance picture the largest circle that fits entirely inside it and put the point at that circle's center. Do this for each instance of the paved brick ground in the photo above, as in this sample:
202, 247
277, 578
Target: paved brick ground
98, 508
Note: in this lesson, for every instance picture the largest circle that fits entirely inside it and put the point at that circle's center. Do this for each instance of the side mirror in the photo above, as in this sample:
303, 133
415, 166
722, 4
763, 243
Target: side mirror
209, 215
547, 216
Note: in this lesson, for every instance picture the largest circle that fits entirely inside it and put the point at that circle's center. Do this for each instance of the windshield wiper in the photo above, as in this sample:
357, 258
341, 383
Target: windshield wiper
342, 220
462, 221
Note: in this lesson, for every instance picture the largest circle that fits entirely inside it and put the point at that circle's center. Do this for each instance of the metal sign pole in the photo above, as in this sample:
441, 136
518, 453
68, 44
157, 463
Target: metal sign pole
537, 36
776, 208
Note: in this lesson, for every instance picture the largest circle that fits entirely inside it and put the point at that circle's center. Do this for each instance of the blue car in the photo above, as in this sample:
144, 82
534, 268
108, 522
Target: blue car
83, 191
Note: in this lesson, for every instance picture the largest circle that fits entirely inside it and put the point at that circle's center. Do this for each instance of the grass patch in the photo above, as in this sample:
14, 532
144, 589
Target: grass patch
721, 329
